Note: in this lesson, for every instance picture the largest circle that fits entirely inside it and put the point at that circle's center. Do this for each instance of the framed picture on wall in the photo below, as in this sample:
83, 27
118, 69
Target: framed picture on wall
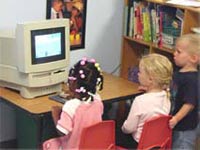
75, 10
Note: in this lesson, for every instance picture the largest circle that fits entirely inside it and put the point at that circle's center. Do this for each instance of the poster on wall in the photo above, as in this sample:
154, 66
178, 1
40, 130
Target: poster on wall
75, 10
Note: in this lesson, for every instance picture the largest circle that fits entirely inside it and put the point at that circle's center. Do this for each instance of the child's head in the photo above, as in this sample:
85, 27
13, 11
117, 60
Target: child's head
187, 51
77, 8
155, 69
85, 77
57, 5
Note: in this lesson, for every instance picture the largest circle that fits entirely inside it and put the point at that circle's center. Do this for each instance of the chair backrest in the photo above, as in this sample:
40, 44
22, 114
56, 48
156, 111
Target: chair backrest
98, 136
156, 134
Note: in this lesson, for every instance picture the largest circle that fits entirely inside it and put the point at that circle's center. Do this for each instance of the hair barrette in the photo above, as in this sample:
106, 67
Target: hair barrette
72, 78
91, 94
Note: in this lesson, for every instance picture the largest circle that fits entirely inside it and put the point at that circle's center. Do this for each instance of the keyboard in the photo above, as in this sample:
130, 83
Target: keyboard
58, 98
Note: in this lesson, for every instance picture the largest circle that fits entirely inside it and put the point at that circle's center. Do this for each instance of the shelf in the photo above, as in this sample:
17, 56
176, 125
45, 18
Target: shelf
154, 46
134, 49
149, 44
163, 2
138, 41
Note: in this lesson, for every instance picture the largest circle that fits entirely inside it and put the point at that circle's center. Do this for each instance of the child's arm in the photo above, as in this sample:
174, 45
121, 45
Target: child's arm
131, 123
56, 111
185, 109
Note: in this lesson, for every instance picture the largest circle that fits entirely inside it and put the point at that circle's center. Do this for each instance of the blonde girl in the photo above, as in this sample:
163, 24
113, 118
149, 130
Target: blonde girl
155, 73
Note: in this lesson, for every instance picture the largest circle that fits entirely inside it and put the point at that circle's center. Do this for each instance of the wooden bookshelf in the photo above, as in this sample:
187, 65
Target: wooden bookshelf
133, 49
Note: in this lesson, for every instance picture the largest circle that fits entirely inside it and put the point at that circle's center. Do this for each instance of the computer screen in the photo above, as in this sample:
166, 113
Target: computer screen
48, 45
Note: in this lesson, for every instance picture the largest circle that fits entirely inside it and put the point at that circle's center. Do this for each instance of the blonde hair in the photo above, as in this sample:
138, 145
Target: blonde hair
193, 41
159, 68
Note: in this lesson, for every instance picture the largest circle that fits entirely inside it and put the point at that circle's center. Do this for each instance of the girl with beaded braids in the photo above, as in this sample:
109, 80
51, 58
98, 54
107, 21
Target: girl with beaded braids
85, 78
83, 109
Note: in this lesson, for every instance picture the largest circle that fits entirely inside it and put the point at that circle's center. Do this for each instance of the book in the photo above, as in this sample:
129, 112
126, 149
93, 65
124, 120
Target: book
131, 22
138, 22
130, 3
172, 26
146, 25
125, 20
153, 26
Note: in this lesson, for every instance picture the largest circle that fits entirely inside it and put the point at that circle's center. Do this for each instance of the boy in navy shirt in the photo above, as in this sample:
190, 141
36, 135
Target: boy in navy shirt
185, 92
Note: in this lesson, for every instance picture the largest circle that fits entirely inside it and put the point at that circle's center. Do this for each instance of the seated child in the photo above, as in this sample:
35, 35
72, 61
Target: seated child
83, 109
155, 73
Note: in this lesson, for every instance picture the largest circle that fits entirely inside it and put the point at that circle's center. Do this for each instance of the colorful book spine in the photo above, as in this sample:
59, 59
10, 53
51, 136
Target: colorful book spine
135, 20
153, 25
139, 23
146, 25
125, 20
160, 29
131, 21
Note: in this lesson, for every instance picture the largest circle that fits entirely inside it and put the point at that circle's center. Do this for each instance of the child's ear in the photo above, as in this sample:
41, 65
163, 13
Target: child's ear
199, 60
195, 59
150, 79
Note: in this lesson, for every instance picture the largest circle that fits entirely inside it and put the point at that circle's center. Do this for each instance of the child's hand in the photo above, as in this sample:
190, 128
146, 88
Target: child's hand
55, 112
56, 109
173, 122
66, 95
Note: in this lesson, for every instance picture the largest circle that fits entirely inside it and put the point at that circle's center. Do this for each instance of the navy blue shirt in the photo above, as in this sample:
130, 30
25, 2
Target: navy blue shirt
185, 90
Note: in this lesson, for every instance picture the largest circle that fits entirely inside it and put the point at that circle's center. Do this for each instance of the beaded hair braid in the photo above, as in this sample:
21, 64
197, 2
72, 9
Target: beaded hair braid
87, 76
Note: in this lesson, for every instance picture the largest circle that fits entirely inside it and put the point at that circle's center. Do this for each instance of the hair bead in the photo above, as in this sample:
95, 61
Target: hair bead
82, 76
82, 62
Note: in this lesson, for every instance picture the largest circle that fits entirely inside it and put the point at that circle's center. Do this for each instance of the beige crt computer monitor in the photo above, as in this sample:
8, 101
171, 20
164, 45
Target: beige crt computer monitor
35, 57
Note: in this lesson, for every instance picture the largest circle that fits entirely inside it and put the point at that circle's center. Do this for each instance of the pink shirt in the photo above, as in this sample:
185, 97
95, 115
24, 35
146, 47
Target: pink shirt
143, 108
76, 115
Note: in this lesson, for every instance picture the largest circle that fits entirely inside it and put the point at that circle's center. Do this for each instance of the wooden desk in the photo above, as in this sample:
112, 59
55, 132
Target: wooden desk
115, 89
38, 109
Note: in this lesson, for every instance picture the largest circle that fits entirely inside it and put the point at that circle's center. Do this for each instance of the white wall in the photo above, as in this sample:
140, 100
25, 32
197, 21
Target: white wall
103, 39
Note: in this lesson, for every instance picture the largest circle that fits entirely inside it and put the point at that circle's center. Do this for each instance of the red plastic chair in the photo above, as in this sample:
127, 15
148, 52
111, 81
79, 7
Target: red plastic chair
156, 134
99, 136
